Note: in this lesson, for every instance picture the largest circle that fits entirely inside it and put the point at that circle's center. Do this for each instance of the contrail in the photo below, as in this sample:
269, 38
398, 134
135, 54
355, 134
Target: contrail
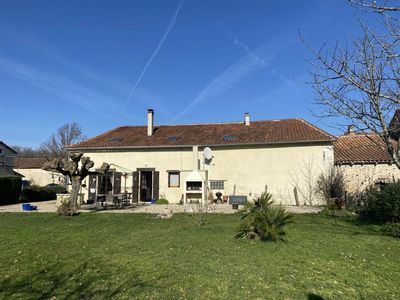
160, 43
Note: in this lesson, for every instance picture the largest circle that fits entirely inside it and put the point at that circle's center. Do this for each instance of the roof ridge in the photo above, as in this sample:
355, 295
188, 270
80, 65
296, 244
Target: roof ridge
357, 134
210, 123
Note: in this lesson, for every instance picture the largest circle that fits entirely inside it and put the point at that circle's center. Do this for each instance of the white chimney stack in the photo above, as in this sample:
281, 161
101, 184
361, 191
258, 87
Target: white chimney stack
150, 122
247, 119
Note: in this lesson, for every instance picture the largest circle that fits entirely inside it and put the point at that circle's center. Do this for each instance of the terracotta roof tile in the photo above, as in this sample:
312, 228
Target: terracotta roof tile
259, 132
360, 148
28, 163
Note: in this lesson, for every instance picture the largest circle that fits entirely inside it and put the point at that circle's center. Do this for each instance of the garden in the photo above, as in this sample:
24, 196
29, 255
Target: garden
107, 256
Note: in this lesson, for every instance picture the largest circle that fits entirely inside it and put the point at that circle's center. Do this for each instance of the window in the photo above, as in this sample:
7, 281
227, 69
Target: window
173, 179
216, 184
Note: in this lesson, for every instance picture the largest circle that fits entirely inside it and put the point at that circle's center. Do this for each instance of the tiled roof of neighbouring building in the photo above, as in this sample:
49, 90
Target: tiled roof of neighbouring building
28, 163
258, 132
360, 148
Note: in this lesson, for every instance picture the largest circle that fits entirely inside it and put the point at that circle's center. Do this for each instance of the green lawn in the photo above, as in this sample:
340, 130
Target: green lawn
137, 256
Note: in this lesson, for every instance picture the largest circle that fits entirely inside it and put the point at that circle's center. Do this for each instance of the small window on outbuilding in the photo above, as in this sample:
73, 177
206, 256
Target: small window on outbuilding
216, 184
174, 178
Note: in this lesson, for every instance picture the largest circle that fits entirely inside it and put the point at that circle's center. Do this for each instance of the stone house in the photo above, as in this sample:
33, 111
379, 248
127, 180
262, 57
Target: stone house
7, 155
364, 161
31, 169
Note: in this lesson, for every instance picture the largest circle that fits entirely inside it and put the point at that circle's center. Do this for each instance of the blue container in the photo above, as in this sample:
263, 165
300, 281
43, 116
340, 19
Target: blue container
152, 201
28, 207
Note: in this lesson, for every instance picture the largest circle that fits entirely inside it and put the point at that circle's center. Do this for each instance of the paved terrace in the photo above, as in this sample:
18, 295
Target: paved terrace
50, 206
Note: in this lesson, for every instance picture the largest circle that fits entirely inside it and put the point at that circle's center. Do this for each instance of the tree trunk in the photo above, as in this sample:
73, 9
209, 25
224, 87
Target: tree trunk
76, 186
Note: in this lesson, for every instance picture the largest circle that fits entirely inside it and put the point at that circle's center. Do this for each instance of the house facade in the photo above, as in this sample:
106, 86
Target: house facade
7, 155
241, 158
31, 169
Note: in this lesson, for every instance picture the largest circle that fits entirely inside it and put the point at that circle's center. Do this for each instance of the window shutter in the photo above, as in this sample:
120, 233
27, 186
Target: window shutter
156, 185
117, 183
92, 187
135, 187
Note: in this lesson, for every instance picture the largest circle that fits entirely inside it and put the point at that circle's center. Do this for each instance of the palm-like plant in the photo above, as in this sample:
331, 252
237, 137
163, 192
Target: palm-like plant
264, 220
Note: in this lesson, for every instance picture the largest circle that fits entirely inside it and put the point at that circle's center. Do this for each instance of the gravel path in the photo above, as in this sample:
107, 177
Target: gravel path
50, 206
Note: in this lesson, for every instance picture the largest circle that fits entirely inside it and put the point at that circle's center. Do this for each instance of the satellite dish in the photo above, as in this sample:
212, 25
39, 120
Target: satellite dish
208, 155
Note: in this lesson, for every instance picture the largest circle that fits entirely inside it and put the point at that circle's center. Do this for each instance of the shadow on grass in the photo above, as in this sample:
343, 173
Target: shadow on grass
95, 208
312, 296
55, 281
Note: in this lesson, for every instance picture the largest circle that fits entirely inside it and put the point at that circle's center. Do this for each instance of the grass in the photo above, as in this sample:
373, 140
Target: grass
128, 256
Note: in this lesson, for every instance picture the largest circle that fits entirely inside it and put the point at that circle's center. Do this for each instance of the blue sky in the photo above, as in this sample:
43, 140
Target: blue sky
103, 63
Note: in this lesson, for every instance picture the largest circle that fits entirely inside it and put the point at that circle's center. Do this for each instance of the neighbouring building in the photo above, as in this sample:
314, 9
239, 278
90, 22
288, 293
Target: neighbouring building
7, 155
246, 158
364, 161
31, 169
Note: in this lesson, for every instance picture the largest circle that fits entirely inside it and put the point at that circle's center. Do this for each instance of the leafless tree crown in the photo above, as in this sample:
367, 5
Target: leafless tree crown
66, 135
360, 80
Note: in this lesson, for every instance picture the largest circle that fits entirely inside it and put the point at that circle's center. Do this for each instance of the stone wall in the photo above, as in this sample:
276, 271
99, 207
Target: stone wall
360, 176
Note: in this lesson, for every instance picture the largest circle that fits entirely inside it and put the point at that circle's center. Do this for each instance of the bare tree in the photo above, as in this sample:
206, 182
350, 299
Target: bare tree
66, 135
305, 182
360, 80
382, 7
30, 152
76, 167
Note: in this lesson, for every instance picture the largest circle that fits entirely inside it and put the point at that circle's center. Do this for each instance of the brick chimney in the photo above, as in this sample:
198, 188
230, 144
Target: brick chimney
247, 119
150, 122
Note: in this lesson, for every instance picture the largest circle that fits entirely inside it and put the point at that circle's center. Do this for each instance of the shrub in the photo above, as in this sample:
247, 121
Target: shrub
10, 189
65, 207
331, 185
264, 220
36, 193
392, 229
162, 201
382, 205
57, 188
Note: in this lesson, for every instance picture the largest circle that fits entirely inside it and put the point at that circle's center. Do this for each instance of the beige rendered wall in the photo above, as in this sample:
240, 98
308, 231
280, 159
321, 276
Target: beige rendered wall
360, 176
41, 177
246, 170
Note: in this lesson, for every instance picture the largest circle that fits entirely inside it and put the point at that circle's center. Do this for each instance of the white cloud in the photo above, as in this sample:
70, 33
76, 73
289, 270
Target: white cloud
63, 88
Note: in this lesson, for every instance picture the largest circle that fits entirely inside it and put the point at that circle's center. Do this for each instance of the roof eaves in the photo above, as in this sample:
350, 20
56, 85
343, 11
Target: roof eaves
8, 147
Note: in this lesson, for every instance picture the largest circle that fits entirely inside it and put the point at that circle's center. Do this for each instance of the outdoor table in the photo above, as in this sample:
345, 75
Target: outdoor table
121, 199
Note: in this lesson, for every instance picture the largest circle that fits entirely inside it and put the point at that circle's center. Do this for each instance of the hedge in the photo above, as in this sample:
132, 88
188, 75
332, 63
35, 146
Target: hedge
36, 193
10, 189
382, 205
